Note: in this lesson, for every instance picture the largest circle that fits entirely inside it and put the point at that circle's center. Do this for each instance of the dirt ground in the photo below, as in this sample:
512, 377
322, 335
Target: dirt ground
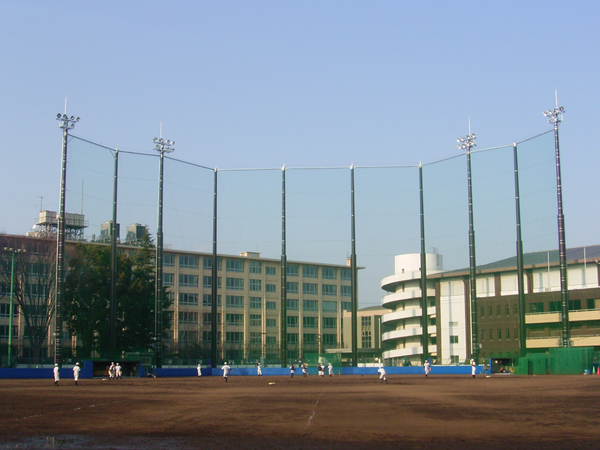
342, 412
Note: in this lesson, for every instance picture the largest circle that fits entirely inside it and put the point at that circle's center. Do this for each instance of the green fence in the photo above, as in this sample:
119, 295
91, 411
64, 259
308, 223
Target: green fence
559, 361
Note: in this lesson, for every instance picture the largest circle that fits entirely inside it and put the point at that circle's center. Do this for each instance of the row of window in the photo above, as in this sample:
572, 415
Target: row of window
237, 337
255, 320
491, 336
255, 267
237, 301
537, 307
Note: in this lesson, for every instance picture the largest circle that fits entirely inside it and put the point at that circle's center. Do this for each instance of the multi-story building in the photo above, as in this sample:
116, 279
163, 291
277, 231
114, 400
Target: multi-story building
402, 336
369, 334
249, 304
499, 316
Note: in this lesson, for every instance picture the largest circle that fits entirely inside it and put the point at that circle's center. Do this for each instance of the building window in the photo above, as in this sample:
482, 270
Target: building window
234, 301
310, 272
515, 309
292, 270
329, 306
482, 311
188, 317
365, 322
291, 287
255, 267
309, 339
328, 273
169, 260
207, 318
491, 334
329, 340
255, 320
507, 333
188, 336
207, 300
4, 331
188, 299
234, 319
234, 337
234, 265
5, 310
490, 311
186, 280
345, 274
292, 338
255, 303
329, 322
292, 321
271, 323
483, 335
366, 339
188, 262
270, 305
207, 263
498, 310
270, 288
269, 270
499, 334
516, 333
454, 359
271, 340
310, 288
310, 305
235, 284
310, 322
329, 289
536, 307
346, 291
207, 282
256, 285
574, 305
292, 304
454, 339
168, 279
507, 310
346, 306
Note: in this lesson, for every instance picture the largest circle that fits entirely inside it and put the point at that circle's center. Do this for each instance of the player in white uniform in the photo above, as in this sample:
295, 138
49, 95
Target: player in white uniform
76, 370
258, 369
473, 367
226, 370
111, 371
56, 375
427, 368
199, 369
330, 368
382, 375
118, 371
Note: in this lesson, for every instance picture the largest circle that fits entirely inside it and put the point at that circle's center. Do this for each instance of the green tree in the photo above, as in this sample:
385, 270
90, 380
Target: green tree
33, 289
87, 299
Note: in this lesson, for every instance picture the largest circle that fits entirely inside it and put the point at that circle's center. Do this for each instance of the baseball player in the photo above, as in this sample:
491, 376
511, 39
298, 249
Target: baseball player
118, 371
473, 367
199, 369
258, 369
292, 370
382, 375
427, 368
330, 368
76, 370
226, 370
56, 375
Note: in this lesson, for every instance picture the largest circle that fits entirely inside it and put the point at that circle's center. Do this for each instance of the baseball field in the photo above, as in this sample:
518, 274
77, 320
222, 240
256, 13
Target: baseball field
342, 412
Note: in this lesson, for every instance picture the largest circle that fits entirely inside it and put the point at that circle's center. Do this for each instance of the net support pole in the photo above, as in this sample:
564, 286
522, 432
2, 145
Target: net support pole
283, 309
354, 276
214, 267
520, 267
424, 316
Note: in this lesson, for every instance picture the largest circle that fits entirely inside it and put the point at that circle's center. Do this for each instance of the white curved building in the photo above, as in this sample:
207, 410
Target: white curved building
402, 331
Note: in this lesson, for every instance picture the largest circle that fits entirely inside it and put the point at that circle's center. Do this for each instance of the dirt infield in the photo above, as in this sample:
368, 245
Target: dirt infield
342, 412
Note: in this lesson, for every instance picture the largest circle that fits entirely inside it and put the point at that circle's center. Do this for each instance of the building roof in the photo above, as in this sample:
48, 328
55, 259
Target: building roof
536, 259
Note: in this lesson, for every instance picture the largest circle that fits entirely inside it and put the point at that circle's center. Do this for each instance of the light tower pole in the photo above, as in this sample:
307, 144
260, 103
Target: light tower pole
66, 123
555, 117
162, 147
467, 143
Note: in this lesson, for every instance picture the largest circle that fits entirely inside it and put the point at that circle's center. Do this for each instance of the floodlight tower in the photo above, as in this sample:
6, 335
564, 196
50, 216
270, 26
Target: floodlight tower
161, 147
555, 117
467, 143
66, 123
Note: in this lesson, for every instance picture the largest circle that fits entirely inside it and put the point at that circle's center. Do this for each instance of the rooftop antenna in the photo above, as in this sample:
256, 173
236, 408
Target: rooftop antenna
41, 201
556, 97
65, 105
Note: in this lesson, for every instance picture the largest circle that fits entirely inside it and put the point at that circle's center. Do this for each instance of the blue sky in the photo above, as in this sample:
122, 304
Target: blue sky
242, 84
